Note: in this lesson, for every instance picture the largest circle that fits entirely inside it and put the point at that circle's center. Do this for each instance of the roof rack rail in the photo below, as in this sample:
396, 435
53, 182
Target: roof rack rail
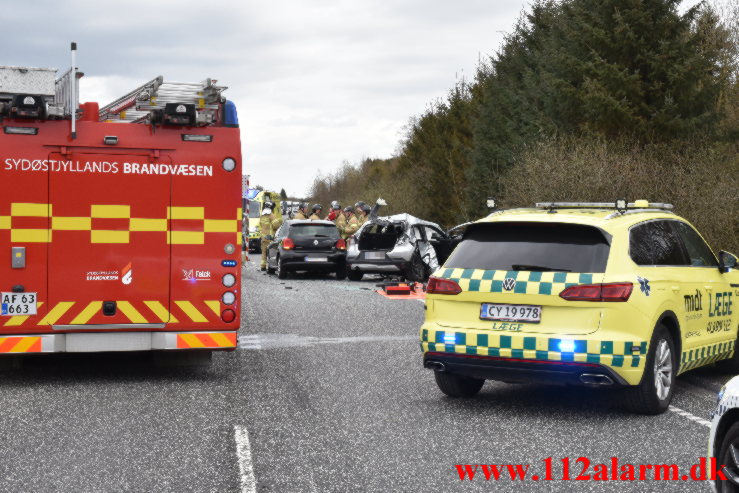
639, 204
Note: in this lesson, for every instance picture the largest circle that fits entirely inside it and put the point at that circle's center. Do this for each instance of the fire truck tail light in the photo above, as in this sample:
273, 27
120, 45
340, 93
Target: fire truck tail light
229, 280
228, 298
228, 316
197, 138
229, 248
229, 164
21, 130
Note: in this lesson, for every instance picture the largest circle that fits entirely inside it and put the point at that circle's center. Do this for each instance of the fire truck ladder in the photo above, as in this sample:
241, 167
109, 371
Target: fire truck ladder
156, 99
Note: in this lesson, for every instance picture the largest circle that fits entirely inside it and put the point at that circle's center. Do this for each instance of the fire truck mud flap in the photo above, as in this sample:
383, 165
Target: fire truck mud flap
117, 341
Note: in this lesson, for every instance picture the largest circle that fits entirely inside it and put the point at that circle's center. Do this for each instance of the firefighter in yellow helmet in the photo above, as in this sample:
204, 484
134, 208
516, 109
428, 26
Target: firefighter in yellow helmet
316, 212
268, 226
352, 224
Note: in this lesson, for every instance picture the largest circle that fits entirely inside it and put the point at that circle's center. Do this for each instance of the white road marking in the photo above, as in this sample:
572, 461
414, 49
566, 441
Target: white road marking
246, 466
274, 341
691, 417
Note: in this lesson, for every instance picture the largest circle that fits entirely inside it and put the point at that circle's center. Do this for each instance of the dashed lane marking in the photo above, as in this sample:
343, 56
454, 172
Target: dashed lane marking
243, 455
256, 342
691, 417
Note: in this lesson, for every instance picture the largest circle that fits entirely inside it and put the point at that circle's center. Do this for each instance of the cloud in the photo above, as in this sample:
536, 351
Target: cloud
315, 83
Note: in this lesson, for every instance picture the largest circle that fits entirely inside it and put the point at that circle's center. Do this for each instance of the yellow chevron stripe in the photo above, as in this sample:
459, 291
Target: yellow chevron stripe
185, 212
191, 311
30, 210
161, 312
220, 226
56, 313
132, 313
214, 305
111, 211
186, 238
86, 314
23, 346
71, 223
221, 340
191, 340
104, 236
142, 224
16, 321
30, 235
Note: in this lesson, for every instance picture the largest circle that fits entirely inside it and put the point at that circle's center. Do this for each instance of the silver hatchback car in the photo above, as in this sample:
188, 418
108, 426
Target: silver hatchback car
398, 245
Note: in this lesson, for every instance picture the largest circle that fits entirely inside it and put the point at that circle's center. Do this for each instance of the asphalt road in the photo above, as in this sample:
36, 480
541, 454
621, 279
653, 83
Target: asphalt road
326, 393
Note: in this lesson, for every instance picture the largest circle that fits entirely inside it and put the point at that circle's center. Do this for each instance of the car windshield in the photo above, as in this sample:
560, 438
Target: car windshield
255, 209
532, 246
313, 230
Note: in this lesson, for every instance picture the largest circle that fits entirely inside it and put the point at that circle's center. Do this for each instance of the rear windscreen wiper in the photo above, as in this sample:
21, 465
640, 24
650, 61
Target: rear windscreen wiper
541, 268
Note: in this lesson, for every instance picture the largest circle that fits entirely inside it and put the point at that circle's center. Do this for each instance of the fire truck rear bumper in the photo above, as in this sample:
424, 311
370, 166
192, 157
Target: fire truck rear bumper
116, 341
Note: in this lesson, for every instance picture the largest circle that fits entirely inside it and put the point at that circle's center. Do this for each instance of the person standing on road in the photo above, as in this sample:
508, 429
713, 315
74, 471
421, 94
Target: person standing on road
358, 207
316, 212
302, 213
268, 226
363, 214
335, 211
340, 220
352, 224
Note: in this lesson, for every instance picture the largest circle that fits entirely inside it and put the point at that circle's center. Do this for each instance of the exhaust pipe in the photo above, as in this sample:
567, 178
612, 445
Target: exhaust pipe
595, 379
435, 365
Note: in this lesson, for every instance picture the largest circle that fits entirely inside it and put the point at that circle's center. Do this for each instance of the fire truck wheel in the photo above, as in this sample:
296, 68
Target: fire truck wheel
281, 270
196, 358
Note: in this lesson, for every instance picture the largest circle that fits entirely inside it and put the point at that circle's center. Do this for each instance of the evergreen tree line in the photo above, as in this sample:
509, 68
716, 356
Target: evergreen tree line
586, 100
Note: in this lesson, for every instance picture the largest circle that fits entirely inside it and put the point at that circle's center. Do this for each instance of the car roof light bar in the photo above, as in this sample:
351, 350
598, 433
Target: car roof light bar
639, 204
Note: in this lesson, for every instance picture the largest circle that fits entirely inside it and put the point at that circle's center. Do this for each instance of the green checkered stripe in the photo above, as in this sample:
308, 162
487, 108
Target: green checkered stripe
705, 355
618, 354
527, 282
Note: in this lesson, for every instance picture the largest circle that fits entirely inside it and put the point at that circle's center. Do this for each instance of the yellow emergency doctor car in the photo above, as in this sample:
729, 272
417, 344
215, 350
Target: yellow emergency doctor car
595, 294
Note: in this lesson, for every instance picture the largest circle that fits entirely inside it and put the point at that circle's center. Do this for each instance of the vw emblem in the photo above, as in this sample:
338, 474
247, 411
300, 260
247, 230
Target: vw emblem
509, 283
315, 242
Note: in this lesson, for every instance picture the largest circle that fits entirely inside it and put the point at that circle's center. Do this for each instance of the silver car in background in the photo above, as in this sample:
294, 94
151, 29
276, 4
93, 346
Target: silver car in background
399, 245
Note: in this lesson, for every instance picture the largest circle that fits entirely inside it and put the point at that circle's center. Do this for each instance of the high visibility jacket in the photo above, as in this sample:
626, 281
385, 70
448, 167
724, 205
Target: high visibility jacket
299, 215
362, 220
314, 217
268, 225
340, 222
352, 226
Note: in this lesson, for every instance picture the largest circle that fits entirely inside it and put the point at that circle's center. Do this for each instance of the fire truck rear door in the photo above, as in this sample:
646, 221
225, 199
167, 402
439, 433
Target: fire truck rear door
109, 261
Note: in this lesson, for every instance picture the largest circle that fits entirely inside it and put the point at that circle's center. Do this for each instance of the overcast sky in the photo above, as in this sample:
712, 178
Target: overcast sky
316, 82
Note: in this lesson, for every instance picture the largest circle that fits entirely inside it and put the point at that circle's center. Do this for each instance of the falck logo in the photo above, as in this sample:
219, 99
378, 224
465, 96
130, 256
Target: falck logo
509, 283
127, 274
188, 275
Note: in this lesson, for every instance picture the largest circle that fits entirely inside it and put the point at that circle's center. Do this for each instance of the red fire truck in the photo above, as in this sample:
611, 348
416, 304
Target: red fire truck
121, 225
